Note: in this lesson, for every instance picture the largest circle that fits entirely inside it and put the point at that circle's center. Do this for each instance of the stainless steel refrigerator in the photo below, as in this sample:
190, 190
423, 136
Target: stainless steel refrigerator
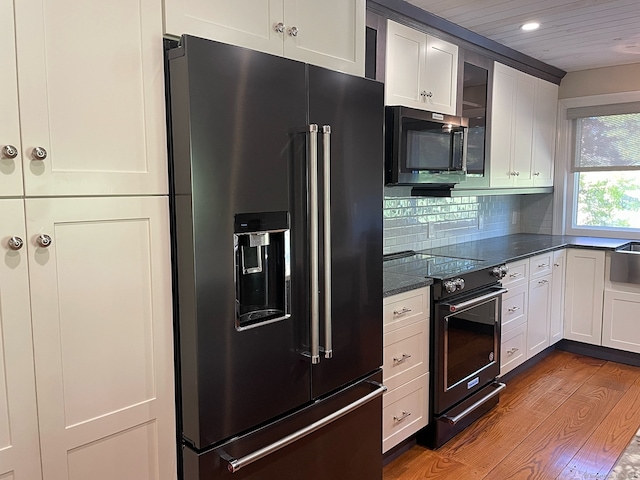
276, 182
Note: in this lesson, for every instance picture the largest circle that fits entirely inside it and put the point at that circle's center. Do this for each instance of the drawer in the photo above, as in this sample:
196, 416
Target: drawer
406, 354
405, 308
514, 307
541, 265
518, 273
404, 411
513, 351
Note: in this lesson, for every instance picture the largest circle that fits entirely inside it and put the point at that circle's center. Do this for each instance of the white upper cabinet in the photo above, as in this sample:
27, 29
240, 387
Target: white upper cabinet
421, 71
91, 89
329, 34
544, 133
511, 127
10, 149
19, 448
522, 129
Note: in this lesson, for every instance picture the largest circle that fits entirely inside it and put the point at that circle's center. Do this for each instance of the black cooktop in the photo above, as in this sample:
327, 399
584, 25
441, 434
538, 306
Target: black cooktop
433, 266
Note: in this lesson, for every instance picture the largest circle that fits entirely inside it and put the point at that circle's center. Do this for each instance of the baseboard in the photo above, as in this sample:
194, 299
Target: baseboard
597, 351
404, 446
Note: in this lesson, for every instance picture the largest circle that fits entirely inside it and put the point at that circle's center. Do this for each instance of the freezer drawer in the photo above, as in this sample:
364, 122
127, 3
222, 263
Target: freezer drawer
347, 448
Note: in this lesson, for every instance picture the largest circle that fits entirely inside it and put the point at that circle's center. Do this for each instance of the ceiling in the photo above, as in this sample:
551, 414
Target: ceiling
573, 34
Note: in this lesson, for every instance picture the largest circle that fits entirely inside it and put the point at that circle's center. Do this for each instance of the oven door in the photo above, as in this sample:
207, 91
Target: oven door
468, 345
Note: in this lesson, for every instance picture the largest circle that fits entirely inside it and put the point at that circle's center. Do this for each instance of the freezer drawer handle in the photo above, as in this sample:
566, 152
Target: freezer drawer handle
326, 196
235, 464
467, 411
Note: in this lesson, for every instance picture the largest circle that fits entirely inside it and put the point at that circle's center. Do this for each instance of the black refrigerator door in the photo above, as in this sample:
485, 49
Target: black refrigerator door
354, 109
236, 115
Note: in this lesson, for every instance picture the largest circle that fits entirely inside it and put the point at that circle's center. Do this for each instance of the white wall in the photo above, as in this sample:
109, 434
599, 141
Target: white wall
598, 81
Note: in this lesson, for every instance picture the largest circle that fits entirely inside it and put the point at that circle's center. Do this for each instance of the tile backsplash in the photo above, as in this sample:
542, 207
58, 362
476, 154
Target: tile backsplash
419, 223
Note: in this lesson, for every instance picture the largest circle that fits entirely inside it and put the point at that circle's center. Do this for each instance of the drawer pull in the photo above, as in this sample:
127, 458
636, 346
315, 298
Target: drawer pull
542, 282
402, 416
401, 312
513, 309
401, 359
515, 274
511, 351
543, 265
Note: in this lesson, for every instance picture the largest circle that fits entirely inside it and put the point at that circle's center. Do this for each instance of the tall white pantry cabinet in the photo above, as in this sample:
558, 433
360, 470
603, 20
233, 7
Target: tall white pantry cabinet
86, 348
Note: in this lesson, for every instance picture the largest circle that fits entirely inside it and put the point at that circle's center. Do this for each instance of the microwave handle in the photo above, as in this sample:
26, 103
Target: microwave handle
464, 149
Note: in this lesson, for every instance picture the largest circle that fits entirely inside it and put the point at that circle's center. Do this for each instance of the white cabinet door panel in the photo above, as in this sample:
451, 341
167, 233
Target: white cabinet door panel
248, 24
19, 449
621, 321
523, 129
539, 315
584, 290
557, 296
405, 65
101, 307
10, 168
93, 100
441, 75
504, 88
544, 133
329, 33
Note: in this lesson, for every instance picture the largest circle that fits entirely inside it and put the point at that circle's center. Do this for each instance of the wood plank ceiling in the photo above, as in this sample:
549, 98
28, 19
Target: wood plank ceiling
573, 34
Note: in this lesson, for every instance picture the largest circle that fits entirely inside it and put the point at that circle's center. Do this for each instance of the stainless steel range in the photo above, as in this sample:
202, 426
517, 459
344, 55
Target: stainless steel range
465, 338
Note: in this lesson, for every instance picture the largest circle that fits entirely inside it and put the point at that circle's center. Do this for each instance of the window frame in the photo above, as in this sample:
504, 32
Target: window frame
565, 191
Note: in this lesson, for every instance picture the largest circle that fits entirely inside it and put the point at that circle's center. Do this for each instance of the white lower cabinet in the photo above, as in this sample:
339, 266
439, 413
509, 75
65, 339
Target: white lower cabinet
621, 320
584, 290
19, 448
534, 296
513, 351
405, 410
100, 295
406, 365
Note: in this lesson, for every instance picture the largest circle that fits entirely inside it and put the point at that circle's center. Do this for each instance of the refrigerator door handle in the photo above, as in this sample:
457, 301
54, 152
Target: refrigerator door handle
235, 464
313, 234
326, 196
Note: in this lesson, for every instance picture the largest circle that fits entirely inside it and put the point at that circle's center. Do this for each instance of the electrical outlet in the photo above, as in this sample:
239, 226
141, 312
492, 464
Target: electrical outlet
514, 218
480, 222
432, 229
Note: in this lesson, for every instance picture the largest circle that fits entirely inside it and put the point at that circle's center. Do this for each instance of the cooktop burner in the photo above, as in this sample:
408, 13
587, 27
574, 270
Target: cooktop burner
426, 265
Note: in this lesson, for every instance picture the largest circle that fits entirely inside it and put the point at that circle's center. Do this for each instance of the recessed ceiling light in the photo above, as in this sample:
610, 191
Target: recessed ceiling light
527, 27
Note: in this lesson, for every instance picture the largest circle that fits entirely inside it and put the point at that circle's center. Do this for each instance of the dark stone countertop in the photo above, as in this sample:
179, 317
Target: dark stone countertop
498, 250
510, 248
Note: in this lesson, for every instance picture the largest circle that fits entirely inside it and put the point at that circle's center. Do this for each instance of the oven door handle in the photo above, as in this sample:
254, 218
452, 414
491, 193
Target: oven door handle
475, 300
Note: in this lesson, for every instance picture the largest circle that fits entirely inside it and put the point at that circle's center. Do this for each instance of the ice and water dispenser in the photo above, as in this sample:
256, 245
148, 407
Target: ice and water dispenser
262, 268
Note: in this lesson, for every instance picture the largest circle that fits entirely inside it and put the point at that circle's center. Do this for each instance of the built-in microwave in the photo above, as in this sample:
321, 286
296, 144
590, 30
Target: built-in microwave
424, 147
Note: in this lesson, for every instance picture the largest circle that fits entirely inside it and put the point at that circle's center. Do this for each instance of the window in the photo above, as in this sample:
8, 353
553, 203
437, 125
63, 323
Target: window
605, 169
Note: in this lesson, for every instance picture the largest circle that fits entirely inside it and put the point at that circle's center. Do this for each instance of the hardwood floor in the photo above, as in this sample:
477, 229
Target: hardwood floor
569, 417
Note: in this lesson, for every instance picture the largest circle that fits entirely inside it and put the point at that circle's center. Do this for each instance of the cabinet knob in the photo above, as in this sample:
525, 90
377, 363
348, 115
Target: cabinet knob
293, 31
536, 174
15, 243
279, 27
9, 151
38, 153
44, 240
